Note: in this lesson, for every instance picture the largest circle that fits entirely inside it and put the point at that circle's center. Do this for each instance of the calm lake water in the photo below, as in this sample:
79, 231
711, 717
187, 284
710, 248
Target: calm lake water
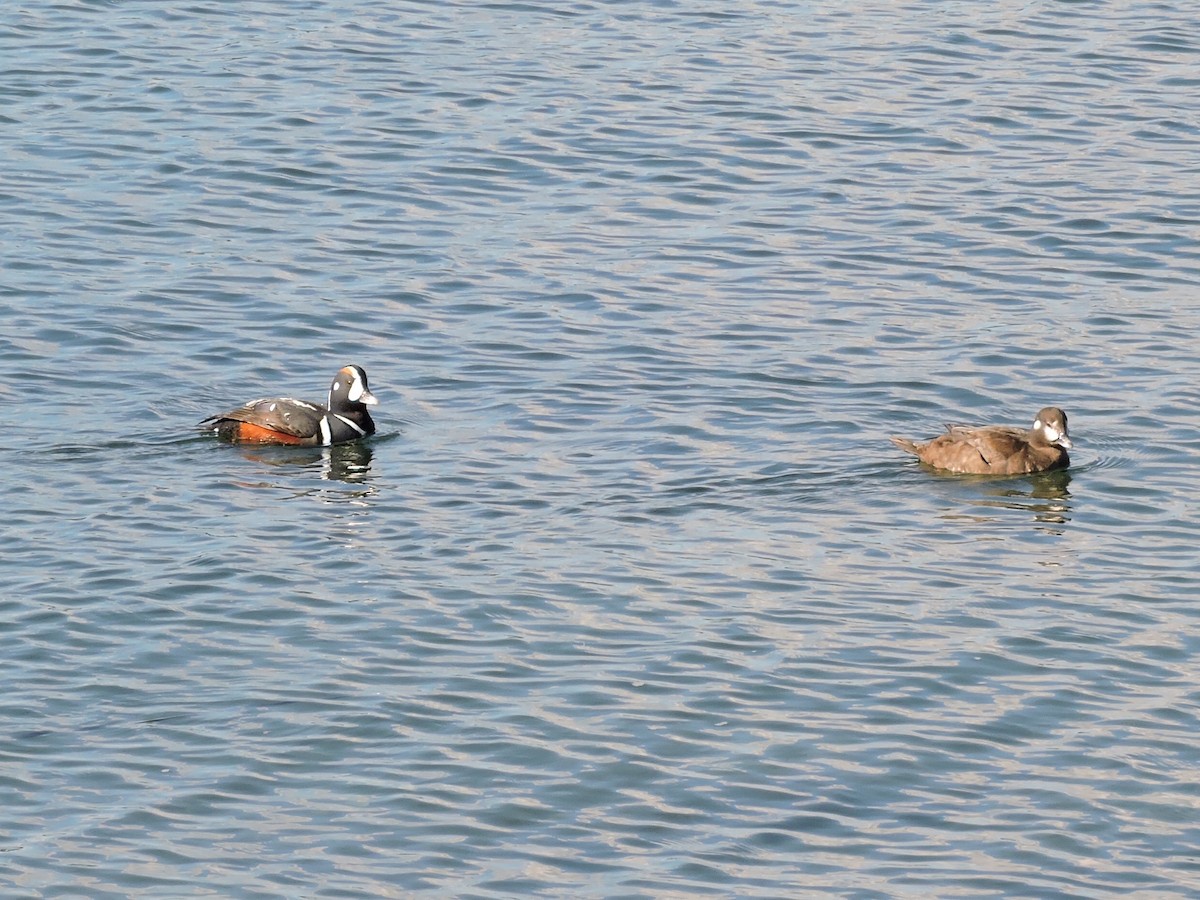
630, 596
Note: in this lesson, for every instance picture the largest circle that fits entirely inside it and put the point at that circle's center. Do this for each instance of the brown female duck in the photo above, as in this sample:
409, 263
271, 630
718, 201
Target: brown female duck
998, 449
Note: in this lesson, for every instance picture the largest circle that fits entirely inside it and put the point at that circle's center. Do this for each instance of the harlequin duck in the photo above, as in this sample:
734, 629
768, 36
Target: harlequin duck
998, 449
282, 420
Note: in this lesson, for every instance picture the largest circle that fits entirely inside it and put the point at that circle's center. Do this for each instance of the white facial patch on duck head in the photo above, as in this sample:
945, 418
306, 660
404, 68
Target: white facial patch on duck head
354, 380
358, 389
1051, 434
334, 390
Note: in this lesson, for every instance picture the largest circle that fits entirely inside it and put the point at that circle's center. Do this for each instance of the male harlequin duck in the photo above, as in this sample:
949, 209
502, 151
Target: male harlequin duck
998, 449
282, 420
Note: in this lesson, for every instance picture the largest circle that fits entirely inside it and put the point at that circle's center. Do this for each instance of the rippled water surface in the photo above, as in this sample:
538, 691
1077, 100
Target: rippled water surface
630, 596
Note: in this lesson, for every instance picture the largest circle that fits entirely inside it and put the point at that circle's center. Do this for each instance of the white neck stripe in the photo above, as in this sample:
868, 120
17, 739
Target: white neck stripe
353, 425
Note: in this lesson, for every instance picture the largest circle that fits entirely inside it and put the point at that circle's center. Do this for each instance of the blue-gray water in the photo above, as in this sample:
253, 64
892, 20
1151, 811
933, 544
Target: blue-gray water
630, 596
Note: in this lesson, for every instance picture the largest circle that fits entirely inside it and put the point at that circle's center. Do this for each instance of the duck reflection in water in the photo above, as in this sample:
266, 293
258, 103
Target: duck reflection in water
350, 463
1046, 495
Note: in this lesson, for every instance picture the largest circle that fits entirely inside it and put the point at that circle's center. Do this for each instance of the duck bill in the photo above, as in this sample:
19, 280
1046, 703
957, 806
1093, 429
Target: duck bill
369, 399
1064, 441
